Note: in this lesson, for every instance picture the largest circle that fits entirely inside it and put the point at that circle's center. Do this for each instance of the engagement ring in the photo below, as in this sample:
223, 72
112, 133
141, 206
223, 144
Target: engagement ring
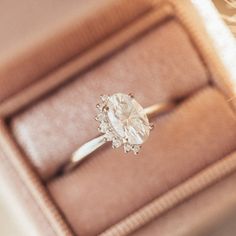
123, 122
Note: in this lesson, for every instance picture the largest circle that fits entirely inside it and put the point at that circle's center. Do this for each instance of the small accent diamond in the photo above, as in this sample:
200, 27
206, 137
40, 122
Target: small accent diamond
116, 142
109, 136
104, 98
100, 117
103, 127
127, 147
136, 149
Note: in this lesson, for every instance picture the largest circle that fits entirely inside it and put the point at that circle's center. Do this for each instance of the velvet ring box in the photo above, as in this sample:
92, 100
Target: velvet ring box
160, 51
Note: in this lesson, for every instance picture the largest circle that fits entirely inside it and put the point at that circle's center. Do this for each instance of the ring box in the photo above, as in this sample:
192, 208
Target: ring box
182, 181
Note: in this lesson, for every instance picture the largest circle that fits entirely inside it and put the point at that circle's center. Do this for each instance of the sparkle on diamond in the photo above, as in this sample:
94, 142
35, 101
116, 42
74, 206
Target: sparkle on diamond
128, 119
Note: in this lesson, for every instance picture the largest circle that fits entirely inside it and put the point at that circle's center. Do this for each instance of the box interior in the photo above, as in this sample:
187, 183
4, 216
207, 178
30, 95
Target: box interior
161, 64
153, 67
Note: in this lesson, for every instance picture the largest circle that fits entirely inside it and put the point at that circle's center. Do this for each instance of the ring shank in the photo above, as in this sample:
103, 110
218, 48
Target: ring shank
158, 109
86, 149
83, 151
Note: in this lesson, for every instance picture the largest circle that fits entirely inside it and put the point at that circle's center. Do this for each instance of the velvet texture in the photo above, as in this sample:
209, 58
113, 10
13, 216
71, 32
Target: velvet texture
154, 68
161, 65
211, 213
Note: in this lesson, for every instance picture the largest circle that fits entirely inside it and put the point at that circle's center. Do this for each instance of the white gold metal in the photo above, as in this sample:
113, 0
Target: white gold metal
83, 151
122, 121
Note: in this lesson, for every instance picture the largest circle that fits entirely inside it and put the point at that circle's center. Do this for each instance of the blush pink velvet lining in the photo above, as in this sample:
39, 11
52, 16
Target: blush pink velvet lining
160, 66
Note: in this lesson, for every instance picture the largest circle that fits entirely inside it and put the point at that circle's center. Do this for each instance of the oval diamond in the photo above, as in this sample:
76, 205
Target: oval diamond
128, 118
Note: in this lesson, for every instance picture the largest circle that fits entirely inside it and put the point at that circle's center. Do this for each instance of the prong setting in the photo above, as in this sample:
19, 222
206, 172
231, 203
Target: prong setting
131, 95
105, 108
151, 126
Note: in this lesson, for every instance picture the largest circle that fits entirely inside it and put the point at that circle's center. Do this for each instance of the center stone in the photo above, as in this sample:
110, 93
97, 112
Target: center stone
128, 118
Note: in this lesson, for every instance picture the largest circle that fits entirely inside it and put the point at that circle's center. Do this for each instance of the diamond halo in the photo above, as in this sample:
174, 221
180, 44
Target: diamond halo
123, 121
